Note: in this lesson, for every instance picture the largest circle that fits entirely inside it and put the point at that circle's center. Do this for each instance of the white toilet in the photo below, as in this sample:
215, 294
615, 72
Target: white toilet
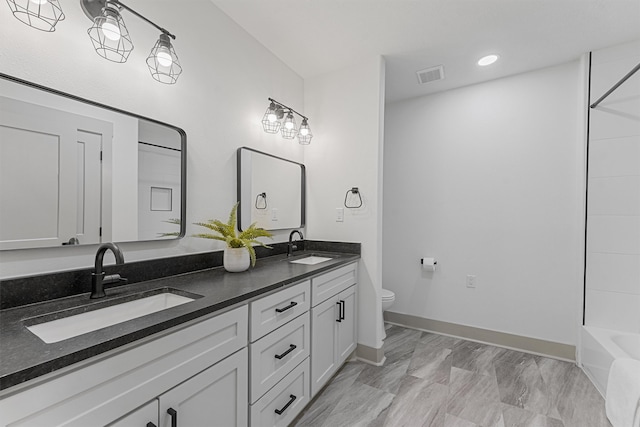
388, 297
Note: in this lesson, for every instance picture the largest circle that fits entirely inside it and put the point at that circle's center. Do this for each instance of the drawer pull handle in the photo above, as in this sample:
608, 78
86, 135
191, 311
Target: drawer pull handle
292, 398
291, 348
293, 304
339, 319
174, 417
342, 309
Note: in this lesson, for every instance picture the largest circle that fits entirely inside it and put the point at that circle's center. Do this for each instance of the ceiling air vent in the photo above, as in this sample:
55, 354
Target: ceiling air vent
430, 74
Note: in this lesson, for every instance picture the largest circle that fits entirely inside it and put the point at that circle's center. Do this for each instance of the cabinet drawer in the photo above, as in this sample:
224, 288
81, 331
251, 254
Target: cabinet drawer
273, 356
99, 393
329, 284
275, 310
284, 401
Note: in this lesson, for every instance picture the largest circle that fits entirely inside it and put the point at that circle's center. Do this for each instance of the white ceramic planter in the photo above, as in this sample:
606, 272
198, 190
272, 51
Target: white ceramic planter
236, 259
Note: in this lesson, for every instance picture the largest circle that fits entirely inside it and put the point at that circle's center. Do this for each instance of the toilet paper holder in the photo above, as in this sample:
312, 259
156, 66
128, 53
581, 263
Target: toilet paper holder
422, 261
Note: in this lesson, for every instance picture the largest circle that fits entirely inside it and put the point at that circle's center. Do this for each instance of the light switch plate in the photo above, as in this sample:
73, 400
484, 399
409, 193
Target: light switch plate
339, 214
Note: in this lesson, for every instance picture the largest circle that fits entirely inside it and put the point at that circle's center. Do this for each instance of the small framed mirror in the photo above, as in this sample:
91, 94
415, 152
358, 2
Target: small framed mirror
271, 191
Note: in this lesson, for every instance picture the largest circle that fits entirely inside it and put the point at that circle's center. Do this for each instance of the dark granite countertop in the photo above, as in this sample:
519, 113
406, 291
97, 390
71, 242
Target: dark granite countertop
23, 356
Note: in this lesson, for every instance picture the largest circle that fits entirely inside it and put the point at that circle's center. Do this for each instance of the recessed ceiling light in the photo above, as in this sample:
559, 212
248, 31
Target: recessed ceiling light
487, 60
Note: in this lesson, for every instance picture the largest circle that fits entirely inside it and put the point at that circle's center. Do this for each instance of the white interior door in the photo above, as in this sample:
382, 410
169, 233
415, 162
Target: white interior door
50, 176
89, 196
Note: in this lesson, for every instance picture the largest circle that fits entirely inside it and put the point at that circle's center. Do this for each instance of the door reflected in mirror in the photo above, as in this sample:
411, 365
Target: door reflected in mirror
73, 171
271, 191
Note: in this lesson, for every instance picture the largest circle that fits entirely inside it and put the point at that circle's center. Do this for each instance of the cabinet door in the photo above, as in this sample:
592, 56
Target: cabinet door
324, 329
146, 416
217, 396
347, 327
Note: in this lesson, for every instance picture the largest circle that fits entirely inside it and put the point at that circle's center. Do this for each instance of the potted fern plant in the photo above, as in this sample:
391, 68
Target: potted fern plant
239, 252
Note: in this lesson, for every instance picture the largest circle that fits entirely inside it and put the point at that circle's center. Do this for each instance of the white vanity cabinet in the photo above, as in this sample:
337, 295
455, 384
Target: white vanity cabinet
193, 370
280, 349
218, 393
333, 320
259, 364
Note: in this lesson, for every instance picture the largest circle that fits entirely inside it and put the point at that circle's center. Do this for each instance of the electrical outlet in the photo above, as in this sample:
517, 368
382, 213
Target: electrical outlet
274, 214
471, 281
339, 214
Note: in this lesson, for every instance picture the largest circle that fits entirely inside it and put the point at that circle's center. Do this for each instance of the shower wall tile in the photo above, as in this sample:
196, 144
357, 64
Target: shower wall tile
613, 234
615, 120
605, 74
613, 310
613, 272
614, 157
618, 195
615, 53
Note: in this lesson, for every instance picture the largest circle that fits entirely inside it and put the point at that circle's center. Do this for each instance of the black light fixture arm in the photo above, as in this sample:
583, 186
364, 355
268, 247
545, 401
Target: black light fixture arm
286, 107
124, 6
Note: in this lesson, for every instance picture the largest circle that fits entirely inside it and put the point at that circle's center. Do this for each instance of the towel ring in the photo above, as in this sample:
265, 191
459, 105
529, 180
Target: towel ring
356, 192
261, 201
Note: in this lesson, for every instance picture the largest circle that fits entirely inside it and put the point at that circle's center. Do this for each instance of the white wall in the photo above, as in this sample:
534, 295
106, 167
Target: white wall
613, 222
488, 179
346, 108
219, 101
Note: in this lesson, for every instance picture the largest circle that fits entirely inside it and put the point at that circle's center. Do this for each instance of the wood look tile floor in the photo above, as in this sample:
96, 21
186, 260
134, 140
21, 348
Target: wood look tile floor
432, 380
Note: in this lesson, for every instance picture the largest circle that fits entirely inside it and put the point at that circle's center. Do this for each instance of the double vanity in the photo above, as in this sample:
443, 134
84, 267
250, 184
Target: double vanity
184, 343
203, 348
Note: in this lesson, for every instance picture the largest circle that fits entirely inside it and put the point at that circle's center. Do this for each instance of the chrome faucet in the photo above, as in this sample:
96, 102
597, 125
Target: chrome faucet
290, 246
98, 278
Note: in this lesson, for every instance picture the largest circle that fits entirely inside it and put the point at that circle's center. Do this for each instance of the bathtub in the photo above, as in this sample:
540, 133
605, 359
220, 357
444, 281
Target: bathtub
599, 347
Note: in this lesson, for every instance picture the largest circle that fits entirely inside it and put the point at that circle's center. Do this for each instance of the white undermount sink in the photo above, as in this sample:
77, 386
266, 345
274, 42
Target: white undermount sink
72, 326
311, 260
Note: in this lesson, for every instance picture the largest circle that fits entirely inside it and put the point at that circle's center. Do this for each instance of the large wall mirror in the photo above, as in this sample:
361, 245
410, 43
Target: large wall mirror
270, 190
73, 171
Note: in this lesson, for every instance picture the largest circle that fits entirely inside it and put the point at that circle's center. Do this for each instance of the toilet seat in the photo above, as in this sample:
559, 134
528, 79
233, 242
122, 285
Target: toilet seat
387, 295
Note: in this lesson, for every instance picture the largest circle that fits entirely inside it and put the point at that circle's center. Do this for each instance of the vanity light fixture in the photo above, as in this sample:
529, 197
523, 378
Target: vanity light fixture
304, 133
111, 39
487, 60
163, 61
108, 34
271, 119
40, 14
288, 128
271, 122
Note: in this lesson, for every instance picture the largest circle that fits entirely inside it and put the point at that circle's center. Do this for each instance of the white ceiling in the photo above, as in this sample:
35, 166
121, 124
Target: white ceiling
314, 37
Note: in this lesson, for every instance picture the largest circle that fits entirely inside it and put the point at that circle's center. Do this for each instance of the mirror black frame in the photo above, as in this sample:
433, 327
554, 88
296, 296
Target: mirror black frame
303, 211
181, 132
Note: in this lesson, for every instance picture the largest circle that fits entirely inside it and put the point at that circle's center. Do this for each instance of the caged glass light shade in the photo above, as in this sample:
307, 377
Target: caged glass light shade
109, 34
163, 62
271, 119
288, 128
304, 133
40, 14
